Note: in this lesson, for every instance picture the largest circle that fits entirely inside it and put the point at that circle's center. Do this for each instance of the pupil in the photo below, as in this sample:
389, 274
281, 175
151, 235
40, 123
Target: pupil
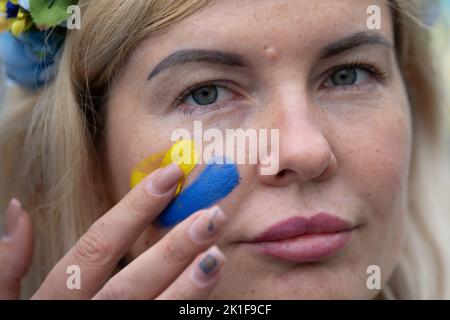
344, 77
205, 95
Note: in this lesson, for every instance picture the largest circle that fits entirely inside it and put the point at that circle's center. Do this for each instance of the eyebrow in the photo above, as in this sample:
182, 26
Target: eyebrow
198, 55
357, 39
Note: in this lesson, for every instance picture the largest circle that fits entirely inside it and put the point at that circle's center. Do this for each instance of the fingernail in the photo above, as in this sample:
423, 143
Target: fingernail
165, 179
13, 213
208, 267
207, 225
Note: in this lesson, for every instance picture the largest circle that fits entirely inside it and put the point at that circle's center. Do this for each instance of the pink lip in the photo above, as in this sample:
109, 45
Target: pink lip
304, 239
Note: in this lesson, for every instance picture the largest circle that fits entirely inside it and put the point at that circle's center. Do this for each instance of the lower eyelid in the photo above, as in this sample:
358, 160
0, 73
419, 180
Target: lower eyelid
200, 110
188, 110
367, 85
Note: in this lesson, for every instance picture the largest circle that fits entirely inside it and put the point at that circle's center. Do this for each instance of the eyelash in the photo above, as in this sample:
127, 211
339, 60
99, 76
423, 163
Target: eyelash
370, 67
186, 110
183, 95
367, 65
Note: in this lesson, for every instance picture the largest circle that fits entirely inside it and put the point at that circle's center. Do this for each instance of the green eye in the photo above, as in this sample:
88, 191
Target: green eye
204, 95
348, 77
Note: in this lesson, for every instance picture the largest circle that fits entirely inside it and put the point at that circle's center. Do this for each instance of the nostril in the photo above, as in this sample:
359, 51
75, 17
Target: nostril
282, 173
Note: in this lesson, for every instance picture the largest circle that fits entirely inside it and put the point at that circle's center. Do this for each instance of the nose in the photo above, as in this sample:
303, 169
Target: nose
304, 151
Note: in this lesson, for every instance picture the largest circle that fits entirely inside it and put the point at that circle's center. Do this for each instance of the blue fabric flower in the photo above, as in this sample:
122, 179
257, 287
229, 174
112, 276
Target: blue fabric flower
29, 59
31, 39
11, 10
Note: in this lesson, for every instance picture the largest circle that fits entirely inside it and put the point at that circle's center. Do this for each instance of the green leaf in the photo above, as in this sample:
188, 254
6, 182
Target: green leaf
49, 13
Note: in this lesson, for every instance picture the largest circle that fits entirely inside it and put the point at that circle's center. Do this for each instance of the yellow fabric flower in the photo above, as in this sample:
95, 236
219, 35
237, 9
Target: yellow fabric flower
4, 25
20, 23
16, 25
3, 6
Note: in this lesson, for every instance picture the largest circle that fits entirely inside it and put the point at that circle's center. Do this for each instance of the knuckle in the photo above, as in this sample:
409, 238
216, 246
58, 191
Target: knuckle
173, 253
116, 291
94, 248
179, 295
132, 208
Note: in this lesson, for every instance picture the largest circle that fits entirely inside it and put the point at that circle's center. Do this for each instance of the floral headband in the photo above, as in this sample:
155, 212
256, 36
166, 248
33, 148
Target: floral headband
31, 35
33, 31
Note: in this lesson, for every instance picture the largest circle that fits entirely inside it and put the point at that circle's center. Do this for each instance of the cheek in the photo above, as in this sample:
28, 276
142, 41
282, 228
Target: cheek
121, 153
376, 166
126, 145
376, 160
373, 162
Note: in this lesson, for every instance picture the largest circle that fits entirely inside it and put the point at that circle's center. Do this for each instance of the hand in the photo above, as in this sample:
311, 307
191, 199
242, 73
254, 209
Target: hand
16, 250
184, 264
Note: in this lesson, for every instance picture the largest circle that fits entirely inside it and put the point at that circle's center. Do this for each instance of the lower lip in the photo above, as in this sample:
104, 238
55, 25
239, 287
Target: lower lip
304, 248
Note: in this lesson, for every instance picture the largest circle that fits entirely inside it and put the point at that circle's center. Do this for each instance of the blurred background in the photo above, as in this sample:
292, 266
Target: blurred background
442, 41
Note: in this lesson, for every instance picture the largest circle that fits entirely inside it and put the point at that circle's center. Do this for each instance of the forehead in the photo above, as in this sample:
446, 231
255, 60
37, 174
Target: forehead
299, 25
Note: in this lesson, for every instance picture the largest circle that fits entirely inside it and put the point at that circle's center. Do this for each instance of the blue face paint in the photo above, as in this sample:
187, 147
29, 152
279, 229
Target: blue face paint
215, 182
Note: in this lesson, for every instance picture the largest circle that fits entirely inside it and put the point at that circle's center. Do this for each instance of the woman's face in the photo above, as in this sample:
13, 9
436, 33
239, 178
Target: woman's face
332, 87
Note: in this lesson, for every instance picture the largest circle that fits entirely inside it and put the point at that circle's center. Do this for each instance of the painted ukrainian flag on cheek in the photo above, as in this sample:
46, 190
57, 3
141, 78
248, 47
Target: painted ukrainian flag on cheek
215, 182
182, 153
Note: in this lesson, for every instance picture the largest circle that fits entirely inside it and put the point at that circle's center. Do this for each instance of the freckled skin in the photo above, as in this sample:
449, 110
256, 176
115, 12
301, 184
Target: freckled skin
343, 152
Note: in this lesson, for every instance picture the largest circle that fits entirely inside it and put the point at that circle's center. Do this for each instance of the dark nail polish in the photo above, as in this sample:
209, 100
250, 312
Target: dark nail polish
208, 264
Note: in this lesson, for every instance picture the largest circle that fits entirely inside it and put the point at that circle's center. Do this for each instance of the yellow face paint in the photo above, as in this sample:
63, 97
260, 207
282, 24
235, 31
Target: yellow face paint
181, 152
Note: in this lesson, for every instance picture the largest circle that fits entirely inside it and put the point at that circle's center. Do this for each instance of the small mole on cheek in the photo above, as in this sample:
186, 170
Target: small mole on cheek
271, 53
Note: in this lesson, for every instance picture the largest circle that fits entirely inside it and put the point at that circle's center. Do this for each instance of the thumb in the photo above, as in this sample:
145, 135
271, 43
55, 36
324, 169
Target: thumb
16, 250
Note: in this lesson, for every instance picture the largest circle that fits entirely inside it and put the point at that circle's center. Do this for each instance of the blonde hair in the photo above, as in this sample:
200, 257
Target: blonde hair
423, 271
50, 141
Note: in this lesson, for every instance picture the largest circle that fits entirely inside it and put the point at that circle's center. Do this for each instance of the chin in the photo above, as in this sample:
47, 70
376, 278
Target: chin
313, 290
339, 277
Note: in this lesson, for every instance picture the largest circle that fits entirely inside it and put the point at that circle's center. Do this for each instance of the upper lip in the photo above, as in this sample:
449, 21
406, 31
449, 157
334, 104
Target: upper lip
296, 226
